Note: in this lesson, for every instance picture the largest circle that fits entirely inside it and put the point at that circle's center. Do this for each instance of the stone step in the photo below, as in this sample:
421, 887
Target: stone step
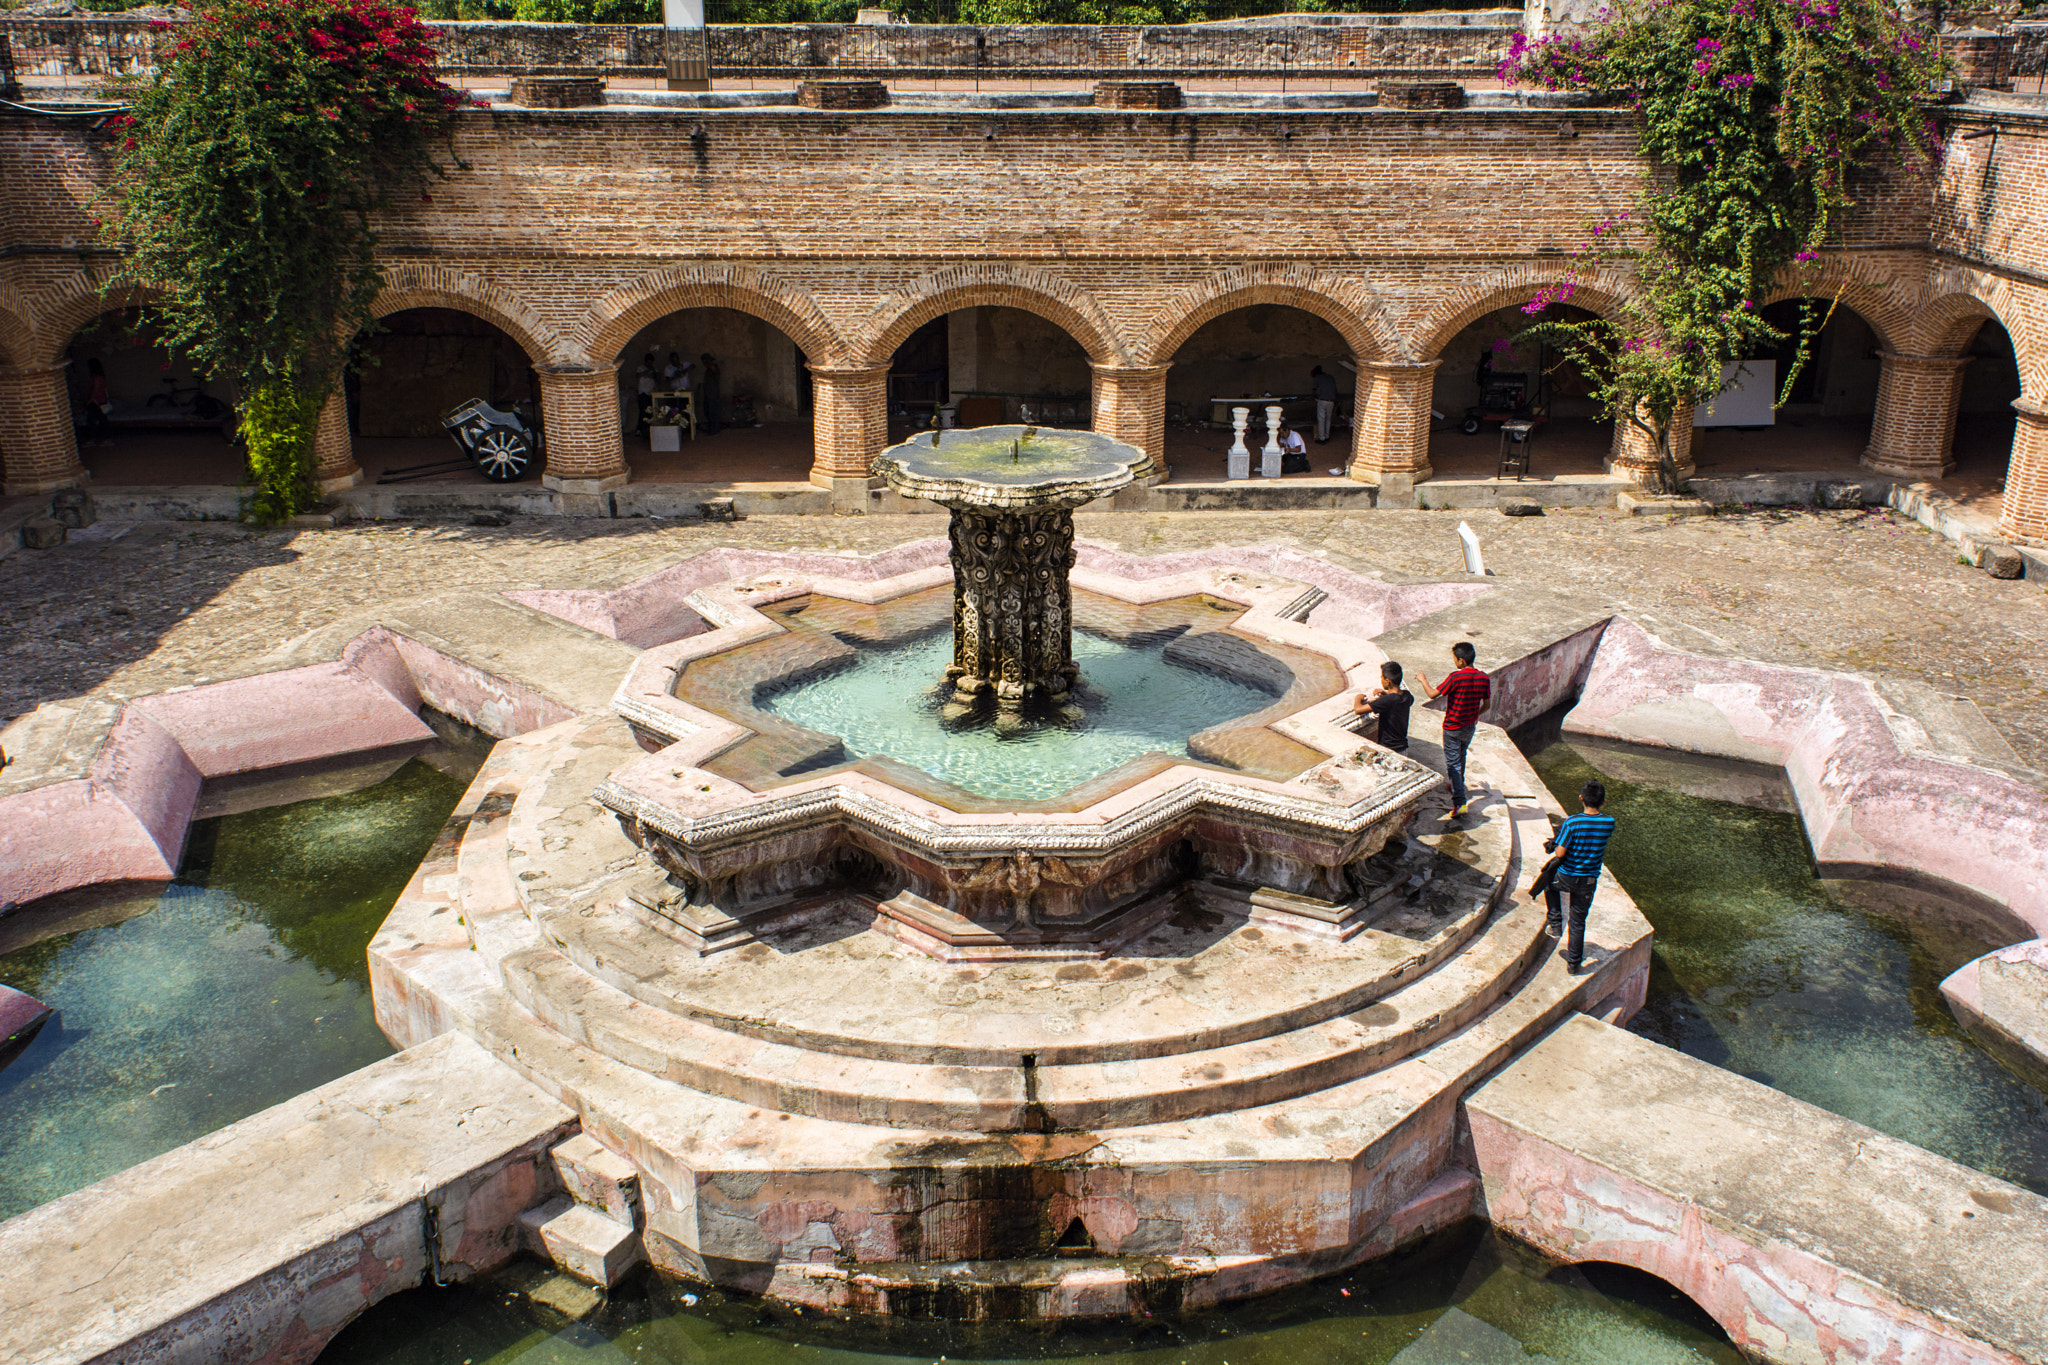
1321, 1175
599, 1177
1023, 1094
581, 1240
1446, 900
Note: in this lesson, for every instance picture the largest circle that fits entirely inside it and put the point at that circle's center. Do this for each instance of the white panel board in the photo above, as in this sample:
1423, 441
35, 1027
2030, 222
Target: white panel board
1750, 403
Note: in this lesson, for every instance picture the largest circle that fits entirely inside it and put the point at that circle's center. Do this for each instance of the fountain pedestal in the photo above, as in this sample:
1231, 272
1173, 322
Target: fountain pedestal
1012, 608
1012, 491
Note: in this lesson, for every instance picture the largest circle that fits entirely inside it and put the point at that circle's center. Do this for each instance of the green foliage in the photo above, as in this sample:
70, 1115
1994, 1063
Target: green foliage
1762, 116
278, 418
245, 174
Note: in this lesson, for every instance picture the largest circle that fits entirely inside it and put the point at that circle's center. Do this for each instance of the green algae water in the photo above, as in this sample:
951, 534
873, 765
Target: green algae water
1466, 1298
1763, 969
185, 1007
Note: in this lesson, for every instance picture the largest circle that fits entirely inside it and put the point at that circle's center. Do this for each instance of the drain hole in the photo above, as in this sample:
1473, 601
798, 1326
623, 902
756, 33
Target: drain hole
1075, 1241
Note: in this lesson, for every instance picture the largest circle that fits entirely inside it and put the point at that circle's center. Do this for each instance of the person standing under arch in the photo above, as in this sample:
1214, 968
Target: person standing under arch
1324, 385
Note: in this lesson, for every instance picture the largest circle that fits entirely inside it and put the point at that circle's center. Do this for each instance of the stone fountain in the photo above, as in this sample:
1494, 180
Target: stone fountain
1171, 1024
1012, 491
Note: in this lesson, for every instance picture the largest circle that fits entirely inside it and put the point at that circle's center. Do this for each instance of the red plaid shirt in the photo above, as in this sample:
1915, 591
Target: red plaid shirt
1465, 694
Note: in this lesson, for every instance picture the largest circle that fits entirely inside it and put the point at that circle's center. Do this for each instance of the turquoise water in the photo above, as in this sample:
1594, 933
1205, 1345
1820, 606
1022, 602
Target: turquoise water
1763, 969
185, 1007
1469, 1298
1133, 700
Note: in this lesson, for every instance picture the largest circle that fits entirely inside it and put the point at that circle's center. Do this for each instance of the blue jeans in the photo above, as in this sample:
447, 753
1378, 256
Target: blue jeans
1579, 892
1456, 742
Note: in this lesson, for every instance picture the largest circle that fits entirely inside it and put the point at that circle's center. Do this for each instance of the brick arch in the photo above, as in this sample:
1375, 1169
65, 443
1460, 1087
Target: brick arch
1596, 291
606, 329
1875, 301
1967, 299
1346, 304
1058, 301
90, 296
430, 286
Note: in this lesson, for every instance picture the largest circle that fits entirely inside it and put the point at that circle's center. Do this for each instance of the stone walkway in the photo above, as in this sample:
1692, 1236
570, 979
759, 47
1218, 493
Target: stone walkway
168, 604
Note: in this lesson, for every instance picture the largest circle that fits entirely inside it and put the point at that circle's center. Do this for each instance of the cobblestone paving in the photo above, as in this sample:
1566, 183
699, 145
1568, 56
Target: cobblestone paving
169, 604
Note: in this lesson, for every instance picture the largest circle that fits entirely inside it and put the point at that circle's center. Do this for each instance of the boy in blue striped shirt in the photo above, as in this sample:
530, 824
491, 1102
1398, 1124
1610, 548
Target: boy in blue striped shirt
1580, 845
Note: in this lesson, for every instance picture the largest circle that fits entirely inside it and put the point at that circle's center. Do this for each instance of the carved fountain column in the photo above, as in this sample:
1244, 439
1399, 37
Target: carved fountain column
1012, 492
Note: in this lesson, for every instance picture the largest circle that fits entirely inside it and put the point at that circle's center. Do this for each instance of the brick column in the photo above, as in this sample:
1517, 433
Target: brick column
1130, 404
2024, 509
1634, 454
1390, 427
849, 425
38, 445
334, 454
580, 419
1914, 430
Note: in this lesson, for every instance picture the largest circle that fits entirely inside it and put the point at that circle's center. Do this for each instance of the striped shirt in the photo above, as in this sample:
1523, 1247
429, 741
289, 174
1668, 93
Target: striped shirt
1583, 840
1465, 692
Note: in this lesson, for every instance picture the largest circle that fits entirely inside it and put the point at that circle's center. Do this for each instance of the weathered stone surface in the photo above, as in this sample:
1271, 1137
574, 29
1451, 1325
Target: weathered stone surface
2002, 999
582, 1241
556, 92
594, 1175
257, 1242
1838, 496
2003, 561
1521, 508
842, 94
42, 533
21, 1017
1809, 1238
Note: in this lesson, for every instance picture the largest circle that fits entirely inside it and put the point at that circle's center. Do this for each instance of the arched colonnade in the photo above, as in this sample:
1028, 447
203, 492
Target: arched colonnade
1396, 348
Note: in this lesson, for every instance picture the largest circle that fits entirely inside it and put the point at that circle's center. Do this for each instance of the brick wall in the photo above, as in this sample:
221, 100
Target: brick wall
1469, 43
574, 229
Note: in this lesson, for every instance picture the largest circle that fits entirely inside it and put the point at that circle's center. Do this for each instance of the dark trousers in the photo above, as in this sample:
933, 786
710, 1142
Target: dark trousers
1579, 891
1456, 742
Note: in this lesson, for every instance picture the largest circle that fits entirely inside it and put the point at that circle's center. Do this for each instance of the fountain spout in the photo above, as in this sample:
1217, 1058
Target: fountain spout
1012, 548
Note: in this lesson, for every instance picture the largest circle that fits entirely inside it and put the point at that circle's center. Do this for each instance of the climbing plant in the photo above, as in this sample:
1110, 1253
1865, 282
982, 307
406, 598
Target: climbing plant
246, 173
1762, 120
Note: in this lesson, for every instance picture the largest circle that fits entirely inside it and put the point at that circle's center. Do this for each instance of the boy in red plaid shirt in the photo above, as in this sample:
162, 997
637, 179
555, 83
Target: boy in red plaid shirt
1467, 693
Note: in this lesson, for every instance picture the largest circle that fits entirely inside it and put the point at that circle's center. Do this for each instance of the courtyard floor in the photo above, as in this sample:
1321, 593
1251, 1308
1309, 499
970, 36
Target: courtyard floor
122, 611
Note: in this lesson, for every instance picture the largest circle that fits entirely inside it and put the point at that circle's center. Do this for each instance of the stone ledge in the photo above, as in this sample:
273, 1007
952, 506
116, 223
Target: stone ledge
262, 1239
1788, 1224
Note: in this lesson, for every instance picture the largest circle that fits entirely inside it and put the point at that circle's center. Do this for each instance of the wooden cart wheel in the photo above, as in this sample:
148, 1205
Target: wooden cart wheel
502, 455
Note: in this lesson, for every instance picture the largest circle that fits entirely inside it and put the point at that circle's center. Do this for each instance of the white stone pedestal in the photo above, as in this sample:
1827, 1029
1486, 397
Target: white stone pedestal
1239, 464
1269, 454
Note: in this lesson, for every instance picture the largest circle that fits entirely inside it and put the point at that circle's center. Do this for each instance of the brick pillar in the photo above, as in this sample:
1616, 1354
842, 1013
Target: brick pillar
334, 454
1914, 430
1390, 427
38, 445
580, 419
1634, 454
849, 425
1130, 404
2024, 509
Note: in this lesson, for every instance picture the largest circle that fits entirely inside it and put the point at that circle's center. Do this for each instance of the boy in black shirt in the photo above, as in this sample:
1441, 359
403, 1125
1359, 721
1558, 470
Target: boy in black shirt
1390, 703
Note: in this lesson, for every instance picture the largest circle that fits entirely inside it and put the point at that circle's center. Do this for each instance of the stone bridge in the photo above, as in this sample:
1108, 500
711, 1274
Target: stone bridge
1809, 1238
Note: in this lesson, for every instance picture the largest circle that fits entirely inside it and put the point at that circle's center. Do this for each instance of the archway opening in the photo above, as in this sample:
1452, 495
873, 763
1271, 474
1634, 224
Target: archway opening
1493, 380
715, 396
990, 364
143, 413
1824, 423
1985, 419
1636, 1299
414, 365
1260, 356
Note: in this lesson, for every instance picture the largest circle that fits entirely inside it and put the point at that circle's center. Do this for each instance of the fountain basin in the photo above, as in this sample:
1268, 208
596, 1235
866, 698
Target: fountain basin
736, 848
